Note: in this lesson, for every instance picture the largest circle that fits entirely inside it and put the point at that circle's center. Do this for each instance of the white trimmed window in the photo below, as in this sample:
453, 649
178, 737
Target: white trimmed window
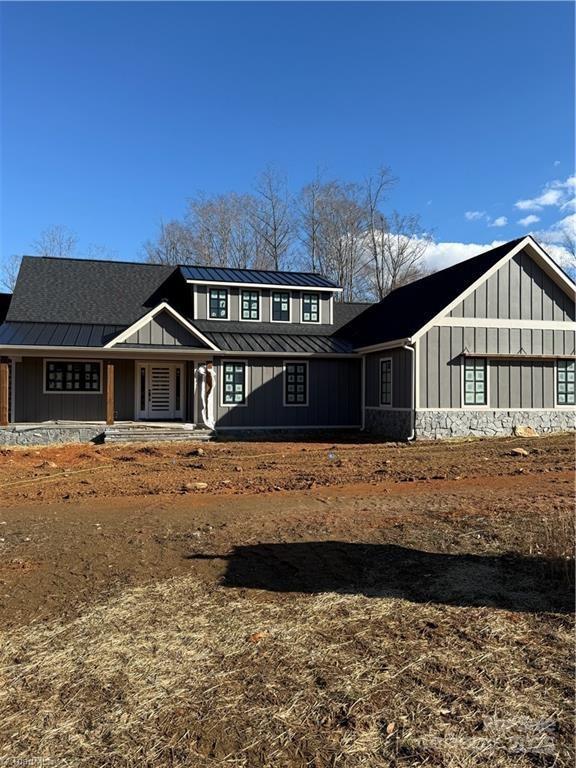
565, 370
73, 376
386, 381
218, 304
281, 306
250, 308
475, 381
296, 383
234, 383
310, 308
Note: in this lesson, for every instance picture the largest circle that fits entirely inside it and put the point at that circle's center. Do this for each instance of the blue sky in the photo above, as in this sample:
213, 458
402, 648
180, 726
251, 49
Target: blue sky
114, 113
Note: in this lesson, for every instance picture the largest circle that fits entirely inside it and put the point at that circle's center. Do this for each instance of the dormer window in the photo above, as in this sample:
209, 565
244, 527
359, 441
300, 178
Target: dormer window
281, 306
218, 304
250, 306
310, 308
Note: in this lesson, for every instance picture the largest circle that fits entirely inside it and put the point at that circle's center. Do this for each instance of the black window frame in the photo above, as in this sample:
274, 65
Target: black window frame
289, 310
228, 397
385, 382
252, 295
308, 296
565, 378
66, 372
296, 393
220, 293
475, 365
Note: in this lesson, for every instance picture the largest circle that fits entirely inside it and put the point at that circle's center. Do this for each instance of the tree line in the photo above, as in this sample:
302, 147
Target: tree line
337, 228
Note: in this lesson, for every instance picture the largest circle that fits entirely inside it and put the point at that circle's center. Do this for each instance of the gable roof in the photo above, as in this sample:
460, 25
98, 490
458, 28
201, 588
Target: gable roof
260, 277
408, 309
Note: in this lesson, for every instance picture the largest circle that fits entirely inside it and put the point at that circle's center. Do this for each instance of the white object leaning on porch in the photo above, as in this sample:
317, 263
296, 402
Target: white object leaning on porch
206, 377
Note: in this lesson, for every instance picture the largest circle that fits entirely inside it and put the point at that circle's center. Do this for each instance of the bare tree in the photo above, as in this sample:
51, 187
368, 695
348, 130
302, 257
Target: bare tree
57, 241
397, 248
272, 218
173, 245
308, 210
9, 272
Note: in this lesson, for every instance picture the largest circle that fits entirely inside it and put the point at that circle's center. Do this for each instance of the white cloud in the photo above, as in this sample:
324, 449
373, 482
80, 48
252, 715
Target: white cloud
501, 221
556, 163
440, 255
475, 215
527, 220
555, 193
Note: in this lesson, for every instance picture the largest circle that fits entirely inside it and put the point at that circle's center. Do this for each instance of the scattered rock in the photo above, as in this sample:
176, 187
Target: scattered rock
195, 486
524, 431
196, 452
237, 469
519, 452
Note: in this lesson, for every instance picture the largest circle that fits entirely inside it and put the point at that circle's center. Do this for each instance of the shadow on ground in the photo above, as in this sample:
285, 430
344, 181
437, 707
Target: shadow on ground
513, 583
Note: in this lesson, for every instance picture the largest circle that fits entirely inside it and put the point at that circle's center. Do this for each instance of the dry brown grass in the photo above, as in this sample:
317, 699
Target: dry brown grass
180, 674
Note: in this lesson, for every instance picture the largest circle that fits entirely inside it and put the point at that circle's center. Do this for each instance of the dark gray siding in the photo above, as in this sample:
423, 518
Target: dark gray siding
163, 330
440, 361
521, 384
334, 395
401, 378
519, 290
33, 405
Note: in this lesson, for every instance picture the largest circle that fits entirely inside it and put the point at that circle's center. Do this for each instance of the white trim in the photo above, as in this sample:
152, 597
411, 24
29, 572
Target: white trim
540, 257
331, 310
474, 406
301, 300
163, 306
380, 361
250, 320
195, 303
156, 353
222, 376
557, 405
280, 290
271, 286
208, 315
284, 382
273, 427
71, 391
416, 374
481, 322
384, 345
499, 409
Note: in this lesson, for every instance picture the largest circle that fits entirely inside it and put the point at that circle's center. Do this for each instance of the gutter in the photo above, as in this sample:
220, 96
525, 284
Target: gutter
412, 434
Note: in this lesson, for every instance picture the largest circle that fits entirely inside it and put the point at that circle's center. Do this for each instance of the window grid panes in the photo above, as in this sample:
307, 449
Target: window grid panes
386, 382
234, 383
565, 382
296, 383
63, 376
218, 303
311, 308
475, 381
250, 305
281, 306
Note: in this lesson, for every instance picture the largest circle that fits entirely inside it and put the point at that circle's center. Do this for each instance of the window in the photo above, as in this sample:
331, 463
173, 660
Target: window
250, 305
475, 381
386, 382
310, 308
281, 306
234, 383
565, 382
218, 304
296, 384
73, 376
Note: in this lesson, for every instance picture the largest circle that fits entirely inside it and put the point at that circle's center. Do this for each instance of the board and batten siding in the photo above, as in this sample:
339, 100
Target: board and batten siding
519, 290
32, 405
525, 383
333, 399
163, 330
401, 378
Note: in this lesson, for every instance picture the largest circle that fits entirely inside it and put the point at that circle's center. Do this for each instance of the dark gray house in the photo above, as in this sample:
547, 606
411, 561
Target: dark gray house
477, 348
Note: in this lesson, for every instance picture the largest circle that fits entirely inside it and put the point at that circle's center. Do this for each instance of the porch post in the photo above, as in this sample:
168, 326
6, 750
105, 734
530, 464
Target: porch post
109, 392
4, 392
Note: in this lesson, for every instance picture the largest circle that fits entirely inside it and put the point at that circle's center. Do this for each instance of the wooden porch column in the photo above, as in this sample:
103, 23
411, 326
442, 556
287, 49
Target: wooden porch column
4, 373
109, 393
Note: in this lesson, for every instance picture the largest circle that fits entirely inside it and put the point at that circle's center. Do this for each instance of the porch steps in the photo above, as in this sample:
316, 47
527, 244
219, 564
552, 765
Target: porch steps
161, 433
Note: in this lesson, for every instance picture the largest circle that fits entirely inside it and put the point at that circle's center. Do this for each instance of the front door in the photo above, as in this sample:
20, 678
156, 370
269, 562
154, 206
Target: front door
160, 391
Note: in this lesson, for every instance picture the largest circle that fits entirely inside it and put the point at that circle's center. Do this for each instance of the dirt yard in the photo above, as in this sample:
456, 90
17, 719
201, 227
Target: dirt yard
281, 605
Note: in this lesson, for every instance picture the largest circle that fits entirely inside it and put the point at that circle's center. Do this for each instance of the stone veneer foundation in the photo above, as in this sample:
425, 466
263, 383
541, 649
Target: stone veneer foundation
45, 435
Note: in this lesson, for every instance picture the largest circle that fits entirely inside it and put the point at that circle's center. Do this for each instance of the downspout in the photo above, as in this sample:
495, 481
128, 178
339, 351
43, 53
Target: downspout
363, 395
412, 434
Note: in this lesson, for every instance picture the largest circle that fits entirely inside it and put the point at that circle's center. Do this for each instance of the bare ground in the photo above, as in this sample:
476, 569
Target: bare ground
315, 605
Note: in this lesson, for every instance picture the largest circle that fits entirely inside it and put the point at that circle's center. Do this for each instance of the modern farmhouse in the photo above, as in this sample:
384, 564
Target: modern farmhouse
479, 348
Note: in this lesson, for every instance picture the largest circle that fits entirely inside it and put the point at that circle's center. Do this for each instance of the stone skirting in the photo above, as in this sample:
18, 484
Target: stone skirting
389, 422
486, 423
45, 435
